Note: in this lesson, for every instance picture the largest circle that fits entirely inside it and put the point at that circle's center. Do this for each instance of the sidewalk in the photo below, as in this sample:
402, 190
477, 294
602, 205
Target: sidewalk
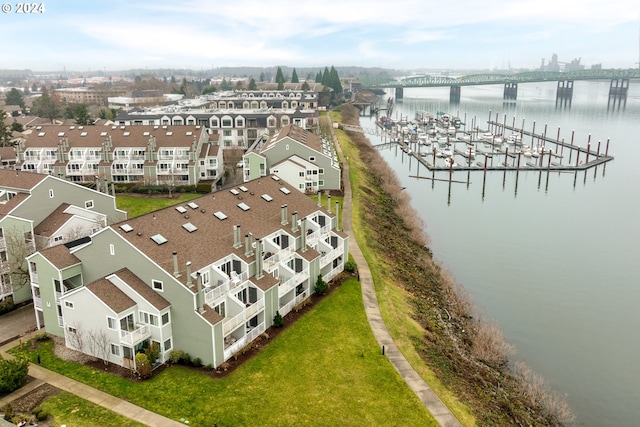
91, 394
439, 410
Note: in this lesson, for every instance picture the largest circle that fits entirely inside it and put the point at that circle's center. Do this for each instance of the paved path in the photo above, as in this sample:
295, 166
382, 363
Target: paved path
17, 323
428, 397
91, 394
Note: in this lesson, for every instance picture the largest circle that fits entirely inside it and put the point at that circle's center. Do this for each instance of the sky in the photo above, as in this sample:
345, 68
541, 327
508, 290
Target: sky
399, 34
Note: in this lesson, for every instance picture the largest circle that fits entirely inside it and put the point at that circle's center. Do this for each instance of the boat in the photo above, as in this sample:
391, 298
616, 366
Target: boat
447, 152
451, 130
450, 162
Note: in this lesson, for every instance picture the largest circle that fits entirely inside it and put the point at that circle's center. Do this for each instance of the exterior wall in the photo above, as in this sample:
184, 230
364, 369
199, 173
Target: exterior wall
71, 230
190, 331
253, 170
290, 172
52, 192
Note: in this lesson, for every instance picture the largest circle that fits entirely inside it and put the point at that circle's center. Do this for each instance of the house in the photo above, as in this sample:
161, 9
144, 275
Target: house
301, 158
38, 211
206, 277
153, 155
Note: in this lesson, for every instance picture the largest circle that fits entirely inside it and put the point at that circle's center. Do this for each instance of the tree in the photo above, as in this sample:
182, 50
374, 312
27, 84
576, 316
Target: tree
325, 77
208, 89
321, 286
319, 77
47, 106
14, 97
278, 321
305, 86
143, 366
280, 79
294, 77
334, 81
325, 97
252, 84
12, 373
17, 127
81, 115
5, 131
17, 251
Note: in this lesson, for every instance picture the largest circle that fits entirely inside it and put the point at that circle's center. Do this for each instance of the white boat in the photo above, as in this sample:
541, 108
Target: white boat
470, 152
448, 151
451, 130
450, 162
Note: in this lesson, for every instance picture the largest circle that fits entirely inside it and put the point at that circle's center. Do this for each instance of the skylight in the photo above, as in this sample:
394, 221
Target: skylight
126, 133
103, 134
243, 206
192, 205
181, 209
169, 133
285, 190
267, 197
126, 228
234, 191
220, 215
60, 133
243, 188
275, 178
159, 239
40, 133
145, 134
189, 227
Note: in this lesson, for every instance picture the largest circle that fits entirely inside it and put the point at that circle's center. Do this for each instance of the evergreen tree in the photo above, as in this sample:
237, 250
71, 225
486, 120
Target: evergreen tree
319, 77
305, 86
14, 97
334, 80
261, 77
252, 84
294, 77
81, 115
325, 77
280, 79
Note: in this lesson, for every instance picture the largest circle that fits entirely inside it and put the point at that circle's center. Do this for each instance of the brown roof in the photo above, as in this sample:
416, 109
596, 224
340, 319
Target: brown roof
121, 136
139, 286
213, 238
109, 293
266, 282
7, 207
20, 181
7, 153
299, 135
60, 257
210, 315
53, 222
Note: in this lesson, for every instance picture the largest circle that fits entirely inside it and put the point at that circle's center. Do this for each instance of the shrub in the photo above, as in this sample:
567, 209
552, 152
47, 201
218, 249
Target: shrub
209, 367
6, 305
350, 266
175, 356
8, 412
153, 352
278, 321
186, 359
42, 415
12, 373
41, 335
321, 286
197, 362
143, 366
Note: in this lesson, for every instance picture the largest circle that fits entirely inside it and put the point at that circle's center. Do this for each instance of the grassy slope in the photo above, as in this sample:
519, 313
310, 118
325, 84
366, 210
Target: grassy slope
326, 369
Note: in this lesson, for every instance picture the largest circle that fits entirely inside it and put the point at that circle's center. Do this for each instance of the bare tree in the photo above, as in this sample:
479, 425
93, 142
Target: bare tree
75, 336
19, 246
99, 344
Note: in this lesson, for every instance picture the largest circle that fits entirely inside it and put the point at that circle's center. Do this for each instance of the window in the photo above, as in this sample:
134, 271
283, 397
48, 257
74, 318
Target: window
71, 329
226, 132
226, 123
88, 204
301, 174
157, 285
167, 345
321, 171
115, 350
112, 249
51, 194
312, 158
57, 238
148, 318
68, 304
165, 318
111, 323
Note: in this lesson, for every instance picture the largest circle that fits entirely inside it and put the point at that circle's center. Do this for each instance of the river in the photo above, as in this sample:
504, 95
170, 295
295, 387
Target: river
553, 258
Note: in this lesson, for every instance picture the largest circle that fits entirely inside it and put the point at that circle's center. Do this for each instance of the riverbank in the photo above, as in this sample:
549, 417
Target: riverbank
430, 318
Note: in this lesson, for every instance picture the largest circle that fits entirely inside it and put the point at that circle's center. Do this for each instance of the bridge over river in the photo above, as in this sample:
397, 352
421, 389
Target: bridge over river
618, 89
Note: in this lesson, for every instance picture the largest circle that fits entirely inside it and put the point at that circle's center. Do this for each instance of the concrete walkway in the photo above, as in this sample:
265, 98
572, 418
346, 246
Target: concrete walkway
439, 410
91, 394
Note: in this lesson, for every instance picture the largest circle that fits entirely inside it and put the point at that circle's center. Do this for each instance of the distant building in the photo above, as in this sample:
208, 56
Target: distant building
89, 95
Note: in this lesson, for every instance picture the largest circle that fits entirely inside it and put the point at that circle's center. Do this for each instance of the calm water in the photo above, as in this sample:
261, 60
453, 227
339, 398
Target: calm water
552, 257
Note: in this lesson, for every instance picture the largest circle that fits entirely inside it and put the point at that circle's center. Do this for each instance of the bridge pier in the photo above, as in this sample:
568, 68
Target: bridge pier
454, 95
618, 90
399, 92
564, 93
510, 91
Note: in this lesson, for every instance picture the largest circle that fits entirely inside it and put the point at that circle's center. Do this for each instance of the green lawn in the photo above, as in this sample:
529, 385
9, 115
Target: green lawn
326, 369
71, 410
136, 206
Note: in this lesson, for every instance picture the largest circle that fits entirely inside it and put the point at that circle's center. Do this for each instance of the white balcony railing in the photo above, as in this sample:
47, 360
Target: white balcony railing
37, 302
254, 309
330, 256
333, 273
212, 294
134, 337
238, 278
231, 323
292, 282
286, 309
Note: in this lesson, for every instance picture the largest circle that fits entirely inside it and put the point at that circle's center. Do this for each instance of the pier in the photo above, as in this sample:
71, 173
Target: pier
491, 150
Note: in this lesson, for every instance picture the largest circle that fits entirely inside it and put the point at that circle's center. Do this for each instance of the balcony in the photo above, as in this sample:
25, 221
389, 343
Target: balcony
326, 258
292, 282
238, 279
233, 345
285, 309
137, 335
231, 323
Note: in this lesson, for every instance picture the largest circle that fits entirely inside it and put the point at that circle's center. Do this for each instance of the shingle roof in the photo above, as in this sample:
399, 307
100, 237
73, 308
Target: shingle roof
53, 221
109, 293
213, 238
20, 181
60, 257
299, 135
139, 286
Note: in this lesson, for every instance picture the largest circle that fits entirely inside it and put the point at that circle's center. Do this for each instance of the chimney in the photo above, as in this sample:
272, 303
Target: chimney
258, 259
283, 215
247, 245
176, 272
294, 222
337, 217
236, 237
329, 203
189, 274
303, 235
199, 295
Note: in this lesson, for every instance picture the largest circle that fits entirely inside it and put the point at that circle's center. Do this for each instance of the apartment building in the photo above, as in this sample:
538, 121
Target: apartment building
206, 277
39, 211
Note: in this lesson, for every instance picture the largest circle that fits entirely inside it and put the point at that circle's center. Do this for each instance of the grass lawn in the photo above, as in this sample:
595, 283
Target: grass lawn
326, 369
136, 206
71, 410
